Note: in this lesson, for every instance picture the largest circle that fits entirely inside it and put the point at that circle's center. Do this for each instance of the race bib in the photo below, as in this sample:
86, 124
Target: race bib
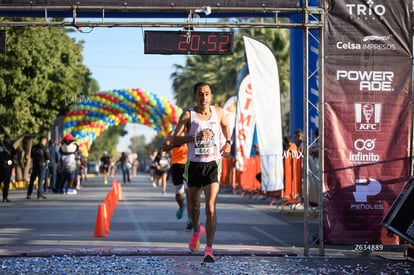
205, 151
204, 143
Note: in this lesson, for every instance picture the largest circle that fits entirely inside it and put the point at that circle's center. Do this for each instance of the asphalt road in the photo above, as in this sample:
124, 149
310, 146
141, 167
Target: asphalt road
143, 218
144, 224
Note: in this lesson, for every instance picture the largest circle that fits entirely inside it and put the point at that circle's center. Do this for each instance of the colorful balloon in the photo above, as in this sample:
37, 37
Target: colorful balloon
89, 118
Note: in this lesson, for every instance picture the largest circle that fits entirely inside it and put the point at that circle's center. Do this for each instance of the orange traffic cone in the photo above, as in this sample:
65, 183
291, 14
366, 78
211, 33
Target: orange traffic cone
100, 223
115, 187
106, 217
119, 192
114, 198
109, 206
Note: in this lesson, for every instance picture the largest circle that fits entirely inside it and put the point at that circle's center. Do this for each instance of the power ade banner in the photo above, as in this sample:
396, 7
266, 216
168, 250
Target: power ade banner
367, 124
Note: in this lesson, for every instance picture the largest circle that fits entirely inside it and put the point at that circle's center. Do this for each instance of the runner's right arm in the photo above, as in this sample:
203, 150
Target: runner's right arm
179, 137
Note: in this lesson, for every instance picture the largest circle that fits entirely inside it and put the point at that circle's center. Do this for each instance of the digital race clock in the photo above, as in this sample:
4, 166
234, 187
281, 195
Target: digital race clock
193, 42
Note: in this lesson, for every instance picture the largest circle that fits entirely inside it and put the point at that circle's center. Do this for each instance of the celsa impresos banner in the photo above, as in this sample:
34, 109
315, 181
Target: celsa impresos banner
368, 27
367, 121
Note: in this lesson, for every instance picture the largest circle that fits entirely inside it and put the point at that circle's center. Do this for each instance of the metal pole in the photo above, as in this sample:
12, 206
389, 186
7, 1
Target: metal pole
305, 189
321, 136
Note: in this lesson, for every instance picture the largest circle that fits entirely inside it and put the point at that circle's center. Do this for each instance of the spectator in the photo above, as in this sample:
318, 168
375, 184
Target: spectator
299, 139
52, 167
80, 166
256, 150
40, 156
257, 153
8, 157
68, 161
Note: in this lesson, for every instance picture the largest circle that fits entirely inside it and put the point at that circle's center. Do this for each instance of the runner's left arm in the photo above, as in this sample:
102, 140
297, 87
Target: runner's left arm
225, 150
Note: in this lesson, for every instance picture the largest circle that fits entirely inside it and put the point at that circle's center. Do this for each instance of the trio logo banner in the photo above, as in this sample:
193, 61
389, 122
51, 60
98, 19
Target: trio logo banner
368, 88
373, 27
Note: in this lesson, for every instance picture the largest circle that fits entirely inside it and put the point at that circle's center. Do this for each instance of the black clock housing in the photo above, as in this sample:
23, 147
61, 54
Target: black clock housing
188, 43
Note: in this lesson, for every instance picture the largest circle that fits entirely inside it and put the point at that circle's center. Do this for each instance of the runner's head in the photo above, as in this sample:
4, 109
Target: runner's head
202, 94
199, 85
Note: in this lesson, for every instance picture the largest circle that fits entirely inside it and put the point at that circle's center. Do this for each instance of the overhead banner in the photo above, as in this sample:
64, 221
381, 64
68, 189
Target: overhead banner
157, 3
367, 122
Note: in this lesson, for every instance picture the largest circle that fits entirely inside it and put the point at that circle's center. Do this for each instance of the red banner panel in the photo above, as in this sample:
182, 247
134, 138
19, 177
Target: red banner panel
368, 114
367, 126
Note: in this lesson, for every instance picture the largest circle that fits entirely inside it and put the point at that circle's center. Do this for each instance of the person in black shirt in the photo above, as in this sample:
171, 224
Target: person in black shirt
40, 156
106, 163
7, 157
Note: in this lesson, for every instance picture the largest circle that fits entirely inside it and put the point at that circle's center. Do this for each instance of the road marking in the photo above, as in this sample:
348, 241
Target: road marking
277, 240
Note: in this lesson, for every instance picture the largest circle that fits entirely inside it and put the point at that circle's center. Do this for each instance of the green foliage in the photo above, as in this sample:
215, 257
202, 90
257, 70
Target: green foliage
107, 141
222, 71
41, 69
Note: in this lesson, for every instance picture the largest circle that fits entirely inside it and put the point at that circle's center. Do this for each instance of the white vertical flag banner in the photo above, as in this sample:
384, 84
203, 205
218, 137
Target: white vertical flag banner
244, 123
264, 76
229, 109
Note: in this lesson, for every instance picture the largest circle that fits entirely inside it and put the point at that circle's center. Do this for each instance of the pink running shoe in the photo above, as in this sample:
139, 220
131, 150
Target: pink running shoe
208, 255
195, 240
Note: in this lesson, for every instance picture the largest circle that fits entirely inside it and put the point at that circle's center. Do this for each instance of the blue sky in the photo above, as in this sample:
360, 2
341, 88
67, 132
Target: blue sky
116, 59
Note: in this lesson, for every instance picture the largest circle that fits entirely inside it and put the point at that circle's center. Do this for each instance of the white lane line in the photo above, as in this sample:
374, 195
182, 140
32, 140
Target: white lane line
277, 240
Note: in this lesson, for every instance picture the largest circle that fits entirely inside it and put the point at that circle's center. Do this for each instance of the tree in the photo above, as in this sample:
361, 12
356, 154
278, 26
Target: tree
42, 67
107, 141
138, 146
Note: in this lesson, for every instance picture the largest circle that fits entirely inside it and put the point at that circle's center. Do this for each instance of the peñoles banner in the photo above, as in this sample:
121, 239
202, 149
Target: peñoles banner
367, 126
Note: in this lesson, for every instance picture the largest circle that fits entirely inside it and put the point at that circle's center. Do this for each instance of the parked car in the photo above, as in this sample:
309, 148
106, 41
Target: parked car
93, 167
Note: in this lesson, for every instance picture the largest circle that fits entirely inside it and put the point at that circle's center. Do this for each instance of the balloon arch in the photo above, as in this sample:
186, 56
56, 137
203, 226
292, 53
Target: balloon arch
90, 117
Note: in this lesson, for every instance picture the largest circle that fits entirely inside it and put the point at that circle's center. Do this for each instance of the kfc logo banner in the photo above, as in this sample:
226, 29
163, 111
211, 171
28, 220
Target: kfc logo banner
376, 27
368, 116
367, 111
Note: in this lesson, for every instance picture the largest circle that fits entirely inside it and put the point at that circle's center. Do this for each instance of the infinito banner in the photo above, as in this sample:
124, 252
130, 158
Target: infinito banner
367, 123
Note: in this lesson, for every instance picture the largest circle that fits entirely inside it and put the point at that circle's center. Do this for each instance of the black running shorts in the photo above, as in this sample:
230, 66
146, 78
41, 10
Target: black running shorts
177, 171
200, 174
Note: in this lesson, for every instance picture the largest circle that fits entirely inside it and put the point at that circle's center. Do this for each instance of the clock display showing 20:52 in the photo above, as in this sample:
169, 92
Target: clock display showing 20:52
182, 42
